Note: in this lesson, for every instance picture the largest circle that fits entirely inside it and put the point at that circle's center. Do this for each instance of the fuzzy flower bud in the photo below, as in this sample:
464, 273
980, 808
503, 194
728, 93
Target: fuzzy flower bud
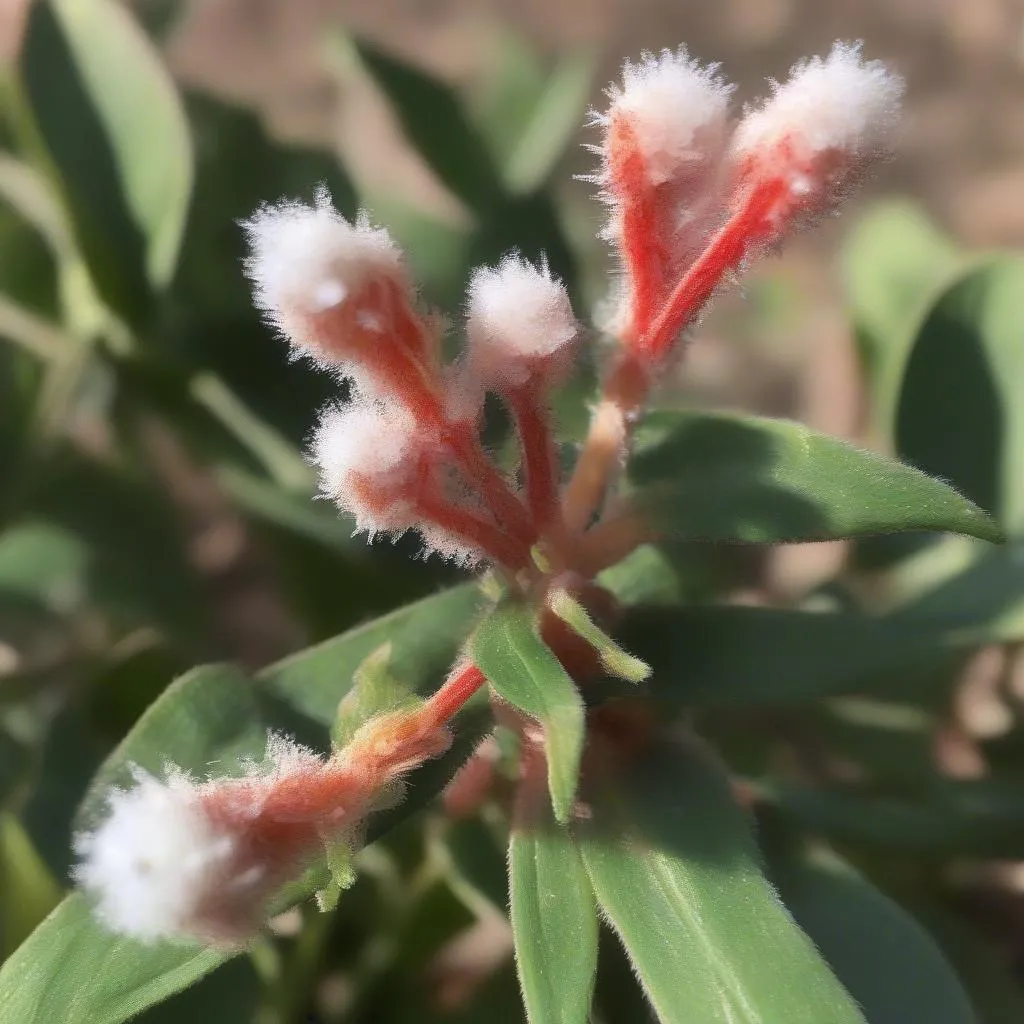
181, 858
666, 132
520, 324
369, 454
339, 292
204, 860
675, 113
818, 131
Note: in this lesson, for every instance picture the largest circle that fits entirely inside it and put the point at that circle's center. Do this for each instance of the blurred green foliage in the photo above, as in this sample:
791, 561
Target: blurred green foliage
154, 485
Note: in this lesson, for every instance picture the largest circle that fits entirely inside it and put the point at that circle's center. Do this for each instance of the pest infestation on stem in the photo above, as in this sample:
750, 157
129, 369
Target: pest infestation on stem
695, 194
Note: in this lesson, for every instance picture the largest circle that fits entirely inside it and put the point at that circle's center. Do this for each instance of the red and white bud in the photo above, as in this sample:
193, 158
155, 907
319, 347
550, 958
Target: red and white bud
817, 133
178, 858
674, 111
370, 454
520, 325
204, 860
666, 134
339, 292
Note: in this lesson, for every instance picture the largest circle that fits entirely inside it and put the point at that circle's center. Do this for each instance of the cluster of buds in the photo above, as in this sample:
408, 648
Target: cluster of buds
695, 193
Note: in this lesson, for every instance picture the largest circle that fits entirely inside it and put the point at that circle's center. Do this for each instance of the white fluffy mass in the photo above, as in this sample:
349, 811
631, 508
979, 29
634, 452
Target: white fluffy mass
367, 445
154, 860
306, 260
678, 109
839, 102
518, 316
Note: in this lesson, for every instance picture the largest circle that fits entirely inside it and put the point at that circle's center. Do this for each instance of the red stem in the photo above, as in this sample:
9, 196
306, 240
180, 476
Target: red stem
495, 490
538, 449
498, 545
456, 690
723, 253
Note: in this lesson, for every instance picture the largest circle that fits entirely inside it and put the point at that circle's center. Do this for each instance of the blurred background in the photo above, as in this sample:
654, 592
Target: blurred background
155, 507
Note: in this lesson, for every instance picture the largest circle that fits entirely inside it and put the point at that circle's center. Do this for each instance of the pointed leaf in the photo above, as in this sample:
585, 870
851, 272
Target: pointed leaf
519, 665
113, 124
554, 921
961, 415
887, 961
719, 476
677, 874
615, 660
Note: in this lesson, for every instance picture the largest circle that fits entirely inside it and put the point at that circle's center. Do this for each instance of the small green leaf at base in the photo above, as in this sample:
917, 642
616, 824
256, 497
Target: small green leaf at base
519, 665
614, 660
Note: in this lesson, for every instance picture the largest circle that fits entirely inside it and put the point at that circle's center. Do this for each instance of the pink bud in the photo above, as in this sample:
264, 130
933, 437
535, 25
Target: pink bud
816, 134
520, 324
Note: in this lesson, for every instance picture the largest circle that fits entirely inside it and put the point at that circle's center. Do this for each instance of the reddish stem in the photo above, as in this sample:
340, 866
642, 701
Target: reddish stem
538, 449
638, 227
723, 253
495, 490
453, 694
478, 532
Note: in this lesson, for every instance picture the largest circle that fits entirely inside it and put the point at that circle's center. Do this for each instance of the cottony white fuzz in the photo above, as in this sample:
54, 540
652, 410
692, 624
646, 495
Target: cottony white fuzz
839, 103
677, 108
155, 860
518, 318
306, 260
367, 453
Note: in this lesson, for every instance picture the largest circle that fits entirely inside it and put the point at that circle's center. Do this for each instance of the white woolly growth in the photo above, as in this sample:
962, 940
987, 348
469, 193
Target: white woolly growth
306, 260
518, 316
368, 446
154, 861
839, 102
677, 108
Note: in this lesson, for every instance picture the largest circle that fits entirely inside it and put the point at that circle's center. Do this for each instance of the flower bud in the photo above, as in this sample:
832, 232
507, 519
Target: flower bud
520, 324
339, 292
369, 454
675, 113
180, 858
817, 133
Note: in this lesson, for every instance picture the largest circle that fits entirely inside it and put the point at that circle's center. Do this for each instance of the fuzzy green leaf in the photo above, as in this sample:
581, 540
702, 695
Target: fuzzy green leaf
554, 921
519, 665
677, 874
725, 477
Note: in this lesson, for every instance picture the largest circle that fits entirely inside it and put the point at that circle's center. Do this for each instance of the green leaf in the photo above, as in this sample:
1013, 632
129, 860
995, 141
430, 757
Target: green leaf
433, 119
72, 970
725, 477
892, 262
425, 637
735, 654
615, 660
961, 415
519, 665
554, 922
676, 872
113, 124
375, 691
887, 961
